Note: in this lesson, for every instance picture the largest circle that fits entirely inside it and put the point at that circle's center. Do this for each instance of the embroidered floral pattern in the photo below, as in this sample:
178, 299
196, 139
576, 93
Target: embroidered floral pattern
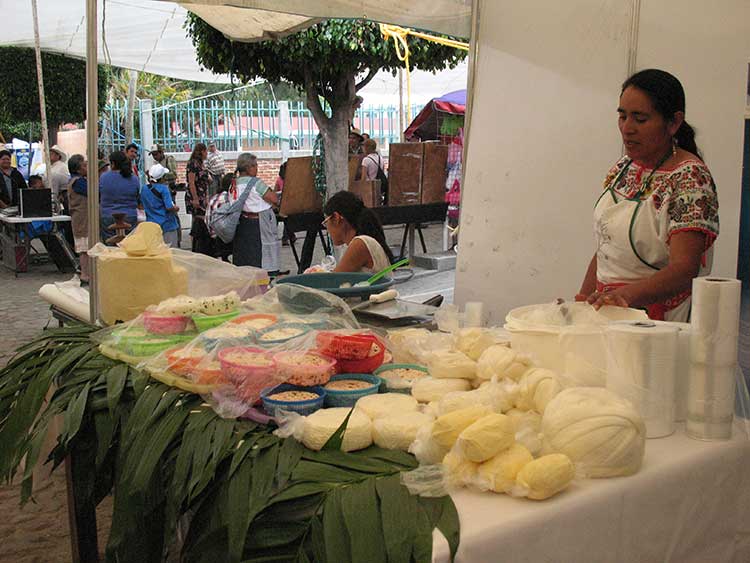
688, 192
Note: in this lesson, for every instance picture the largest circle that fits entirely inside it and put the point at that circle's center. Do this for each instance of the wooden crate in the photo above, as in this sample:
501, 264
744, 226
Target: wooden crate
368, 190
299, 194
405, 173
434, 173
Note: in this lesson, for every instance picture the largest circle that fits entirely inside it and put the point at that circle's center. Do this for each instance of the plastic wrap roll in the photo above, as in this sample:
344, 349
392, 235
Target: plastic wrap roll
642, 368
683, 368
715, 317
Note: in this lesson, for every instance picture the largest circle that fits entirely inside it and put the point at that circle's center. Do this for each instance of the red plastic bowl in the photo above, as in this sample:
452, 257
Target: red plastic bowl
164, 324
182, 365
369, 364
344, 346
255, 316
210, 375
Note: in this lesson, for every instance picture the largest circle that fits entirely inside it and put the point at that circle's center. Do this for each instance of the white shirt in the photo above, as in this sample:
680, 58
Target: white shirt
254, 202
379, 259
59, 177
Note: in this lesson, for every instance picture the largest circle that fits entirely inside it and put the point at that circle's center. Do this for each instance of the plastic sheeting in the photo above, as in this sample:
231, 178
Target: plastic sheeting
149, 35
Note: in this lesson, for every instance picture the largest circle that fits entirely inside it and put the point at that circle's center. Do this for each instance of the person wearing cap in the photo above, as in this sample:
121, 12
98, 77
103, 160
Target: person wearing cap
168, 162
58, 176
158, 204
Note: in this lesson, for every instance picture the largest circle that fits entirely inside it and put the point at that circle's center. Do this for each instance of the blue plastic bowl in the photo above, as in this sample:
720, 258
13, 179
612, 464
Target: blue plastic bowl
303, 408
387, 367
335, 398
259, 334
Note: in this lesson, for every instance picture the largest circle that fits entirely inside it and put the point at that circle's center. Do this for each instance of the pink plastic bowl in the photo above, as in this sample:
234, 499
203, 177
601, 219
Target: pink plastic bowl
292, 371
239, 373
164, 324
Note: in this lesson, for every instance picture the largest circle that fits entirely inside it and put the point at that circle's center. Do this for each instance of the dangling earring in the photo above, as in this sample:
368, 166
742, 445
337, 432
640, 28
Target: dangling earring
674, 146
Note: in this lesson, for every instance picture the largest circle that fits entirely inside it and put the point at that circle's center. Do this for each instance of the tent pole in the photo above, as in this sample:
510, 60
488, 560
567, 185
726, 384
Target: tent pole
401, 124
42, 102
92, 134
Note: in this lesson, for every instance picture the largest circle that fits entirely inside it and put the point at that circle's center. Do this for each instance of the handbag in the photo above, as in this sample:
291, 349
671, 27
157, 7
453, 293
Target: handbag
225, 218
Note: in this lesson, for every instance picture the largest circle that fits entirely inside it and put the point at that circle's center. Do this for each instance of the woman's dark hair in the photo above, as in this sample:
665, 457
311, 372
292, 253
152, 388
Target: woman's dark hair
282, 170
5, 152
197, 150
364, 221
131, 146
226, 183
74, 163
668, 97
119, 161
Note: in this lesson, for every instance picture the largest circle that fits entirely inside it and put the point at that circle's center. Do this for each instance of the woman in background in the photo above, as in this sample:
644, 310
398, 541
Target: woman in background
196, 198
118, 193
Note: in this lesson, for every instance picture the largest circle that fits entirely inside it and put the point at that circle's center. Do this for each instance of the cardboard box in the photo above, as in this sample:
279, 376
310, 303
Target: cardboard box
368, 190
417, 173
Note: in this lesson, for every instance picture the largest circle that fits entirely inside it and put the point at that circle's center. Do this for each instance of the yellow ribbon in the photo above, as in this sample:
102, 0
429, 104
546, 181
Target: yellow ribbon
400, 35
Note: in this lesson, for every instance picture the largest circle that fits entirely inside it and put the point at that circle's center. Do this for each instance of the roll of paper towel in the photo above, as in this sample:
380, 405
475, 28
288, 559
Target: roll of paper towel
642, 367
715, 319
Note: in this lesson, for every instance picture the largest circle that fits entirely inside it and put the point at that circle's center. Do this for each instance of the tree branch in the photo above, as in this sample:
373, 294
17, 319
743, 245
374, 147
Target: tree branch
366, 80
313, 102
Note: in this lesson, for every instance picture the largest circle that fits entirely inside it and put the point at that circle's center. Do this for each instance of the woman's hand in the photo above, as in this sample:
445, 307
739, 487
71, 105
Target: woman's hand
618, 297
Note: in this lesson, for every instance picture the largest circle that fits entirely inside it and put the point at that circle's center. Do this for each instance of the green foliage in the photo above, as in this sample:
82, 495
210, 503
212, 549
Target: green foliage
64, 83
326, 52
234, 490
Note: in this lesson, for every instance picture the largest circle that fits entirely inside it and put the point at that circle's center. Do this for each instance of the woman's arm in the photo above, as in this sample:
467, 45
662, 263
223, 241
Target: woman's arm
356, 257
271, 197
685, 251
589, 281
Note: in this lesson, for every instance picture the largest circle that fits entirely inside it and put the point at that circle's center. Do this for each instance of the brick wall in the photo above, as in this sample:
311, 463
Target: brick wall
268, 169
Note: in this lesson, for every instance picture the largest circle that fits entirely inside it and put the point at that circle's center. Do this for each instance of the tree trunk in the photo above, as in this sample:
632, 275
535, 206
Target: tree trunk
336, 142
130, 118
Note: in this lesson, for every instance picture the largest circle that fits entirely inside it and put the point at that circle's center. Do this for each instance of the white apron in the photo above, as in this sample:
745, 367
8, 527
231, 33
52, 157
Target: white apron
631, 237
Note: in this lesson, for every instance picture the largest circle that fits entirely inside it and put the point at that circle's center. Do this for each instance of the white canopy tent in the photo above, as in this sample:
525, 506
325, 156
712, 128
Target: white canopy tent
149, 36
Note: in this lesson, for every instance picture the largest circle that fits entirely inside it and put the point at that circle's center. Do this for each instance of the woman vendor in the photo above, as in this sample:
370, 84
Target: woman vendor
657, 219
349, 222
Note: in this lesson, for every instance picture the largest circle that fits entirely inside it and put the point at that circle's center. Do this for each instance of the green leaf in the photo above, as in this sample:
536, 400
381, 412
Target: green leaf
74, 415
239, 516
323, 473
116, 379
351, 461
336, 542
300, 490
450, 525
337, 438
398, 514
290, 454
361, 513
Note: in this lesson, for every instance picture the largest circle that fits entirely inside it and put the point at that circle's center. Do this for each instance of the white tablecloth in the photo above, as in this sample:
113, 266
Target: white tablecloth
689, 503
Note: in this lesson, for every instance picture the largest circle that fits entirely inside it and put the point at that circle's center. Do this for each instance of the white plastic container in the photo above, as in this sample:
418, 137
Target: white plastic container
567, 339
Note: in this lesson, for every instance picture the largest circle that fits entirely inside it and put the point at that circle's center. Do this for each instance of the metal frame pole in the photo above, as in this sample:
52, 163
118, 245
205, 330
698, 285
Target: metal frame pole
42, 101
92, 135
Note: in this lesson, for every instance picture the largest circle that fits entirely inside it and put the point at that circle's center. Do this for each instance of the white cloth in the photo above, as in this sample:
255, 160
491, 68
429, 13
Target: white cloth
215, 163
379, 259
690, 503
254, 202
269, 240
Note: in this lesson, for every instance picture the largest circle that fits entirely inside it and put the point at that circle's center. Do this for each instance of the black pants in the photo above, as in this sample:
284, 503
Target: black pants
248, 250
202, 243
308, 247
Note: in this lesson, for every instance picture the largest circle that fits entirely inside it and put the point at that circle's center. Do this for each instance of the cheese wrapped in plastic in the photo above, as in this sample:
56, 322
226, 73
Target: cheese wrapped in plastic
602, 433
501, 361
544, 477
446, 428
321, 425
499, 473
386, 405
528, 429
450, 364
473, 341
425, 448
537, 388
414, 345
428, 389
146, 239
459, 471
486, 438
397, 432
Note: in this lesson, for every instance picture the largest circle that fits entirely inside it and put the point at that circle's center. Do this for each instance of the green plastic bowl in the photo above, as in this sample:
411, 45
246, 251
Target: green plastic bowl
347, 398
204, 322
150, 346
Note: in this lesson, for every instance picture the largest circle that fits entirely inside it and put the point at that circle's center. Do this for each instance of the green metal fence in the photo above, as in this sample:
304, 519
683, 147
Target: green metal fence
237, 125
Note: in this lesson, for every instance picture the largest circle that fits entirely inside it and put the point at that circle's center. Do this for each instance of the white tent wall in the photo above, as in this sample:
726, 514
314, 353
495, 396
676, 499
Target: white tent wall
543, 132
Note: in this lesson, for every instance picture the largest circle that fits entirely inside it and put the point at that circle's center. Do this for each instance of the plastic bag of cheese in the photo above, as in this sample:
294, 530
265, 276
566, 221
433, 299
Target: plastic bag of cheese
398, 432
451, 364
544, 477
485, 438
500, 396
316, 429
429, 389
500, 361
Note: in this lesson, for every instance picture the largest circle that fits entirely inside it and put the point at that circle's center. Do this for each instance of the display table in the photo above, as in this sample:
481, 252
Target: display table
689, 503
16, 243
